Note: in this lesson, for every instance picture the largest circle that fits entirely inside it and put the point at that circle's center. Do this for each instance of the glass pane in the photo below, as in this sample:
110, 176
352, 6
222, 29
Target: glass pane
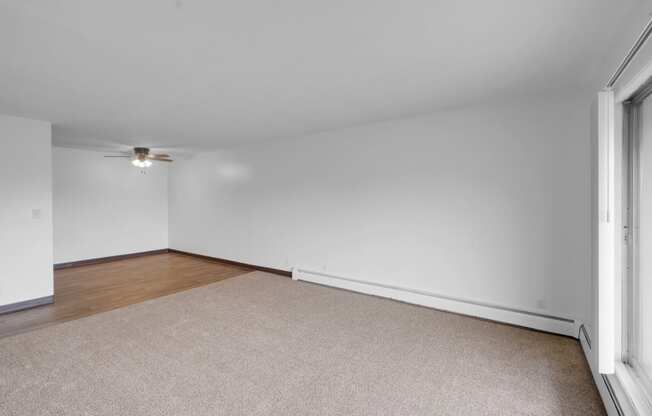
641, 324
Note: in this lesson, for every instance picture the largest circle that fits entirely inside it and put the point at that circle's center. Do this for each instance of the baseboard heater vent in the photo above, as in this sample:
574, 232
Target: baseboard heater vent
500, 313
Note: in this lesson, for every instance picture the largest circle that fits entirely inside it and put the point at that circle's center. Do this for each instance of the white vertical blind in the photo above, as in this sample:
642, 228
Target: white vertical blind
606, 230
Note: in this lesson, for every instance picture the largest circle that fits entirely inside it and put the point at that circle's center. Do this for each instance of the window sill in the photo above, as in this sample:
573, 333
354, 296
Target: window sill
633, 399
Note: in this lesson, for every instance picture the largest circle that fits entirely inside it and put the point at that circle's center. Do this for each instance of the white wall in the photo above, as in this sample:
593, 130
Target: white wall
489, 203
106, 207
25, 186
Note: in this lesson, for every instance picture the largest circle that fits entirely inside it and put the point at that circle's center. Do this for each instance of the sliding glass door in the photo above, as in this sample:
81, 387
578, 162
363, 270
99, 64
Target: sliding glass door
637, 293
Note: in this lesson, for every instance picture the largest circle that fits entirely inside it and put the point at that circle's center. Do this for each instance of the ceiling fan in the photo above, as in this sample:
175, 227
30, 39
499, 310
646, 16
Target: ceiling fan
142, 158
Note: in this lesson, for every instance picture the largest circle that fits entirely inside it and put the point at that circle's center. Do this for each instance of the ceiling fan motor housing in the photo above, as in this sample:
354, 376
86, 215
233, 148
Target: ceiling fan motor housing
141, 150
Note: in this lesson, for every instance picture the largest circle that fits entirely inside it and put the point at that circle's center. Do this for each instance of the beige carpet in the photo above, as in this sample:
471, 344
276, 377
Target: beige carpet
261, 344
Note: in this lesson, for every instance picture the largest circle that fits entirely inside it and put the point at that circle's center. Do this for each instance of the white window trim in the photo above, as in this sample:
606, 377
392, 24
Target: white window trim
608, 231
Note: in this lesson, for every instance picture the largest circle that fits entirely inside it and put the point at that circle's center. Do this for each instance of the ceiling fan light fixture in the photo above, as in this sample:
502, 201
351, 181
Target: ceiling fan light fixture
141, 163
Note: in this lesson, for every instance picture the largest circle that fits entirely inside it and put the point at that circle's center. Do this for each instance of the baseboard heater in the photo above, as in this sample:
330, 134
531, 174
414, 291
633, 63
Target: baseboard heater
480, 309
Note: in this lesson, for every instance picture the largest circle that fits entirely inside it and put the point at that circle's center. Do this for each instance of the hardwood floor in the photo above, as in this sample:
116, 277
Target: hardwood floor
87, 290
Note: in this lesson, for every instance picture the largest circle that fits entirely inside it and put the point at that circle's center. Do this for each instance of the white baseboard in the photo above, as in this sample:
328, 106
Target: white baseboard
499, 313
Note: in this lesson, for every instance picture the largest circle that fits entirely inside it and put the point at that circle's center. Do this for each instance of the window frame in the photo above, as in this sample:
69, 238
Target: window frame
627, 369
615, 313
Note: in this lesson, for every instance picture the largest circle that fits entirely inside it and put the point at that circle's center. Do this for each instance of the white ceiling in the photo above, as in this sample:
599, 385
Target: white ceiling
206, 73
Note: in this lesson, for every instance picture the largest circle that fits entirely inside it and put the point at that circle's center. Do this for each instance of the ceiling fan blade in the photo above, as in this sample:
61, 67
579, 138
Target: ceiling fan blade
118, 156
162, 160
159, 155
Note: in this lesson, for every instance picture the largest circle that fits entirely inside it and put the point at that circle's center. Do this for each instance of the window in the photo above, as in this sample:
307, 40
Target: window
636, 338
